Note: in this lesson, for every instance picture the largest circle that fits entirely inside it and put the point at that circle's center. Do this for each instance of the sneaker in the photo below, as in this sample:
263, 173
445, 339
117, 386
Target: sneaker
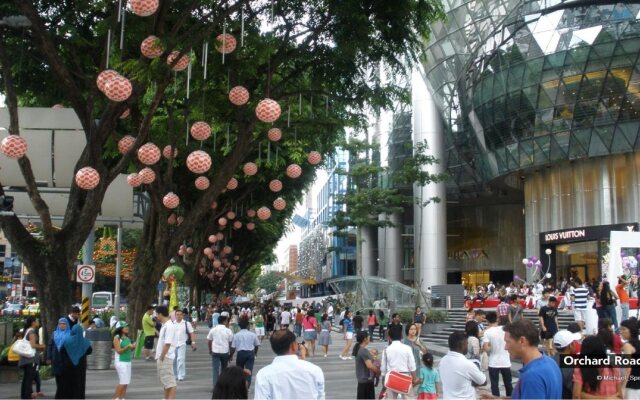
349, 358
325, 356
342, 358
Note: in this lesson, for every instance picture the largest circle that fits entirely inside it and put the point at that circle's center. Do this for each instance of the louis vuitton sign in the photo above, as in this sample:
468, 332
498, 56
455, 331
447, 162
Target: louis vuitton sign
586, 233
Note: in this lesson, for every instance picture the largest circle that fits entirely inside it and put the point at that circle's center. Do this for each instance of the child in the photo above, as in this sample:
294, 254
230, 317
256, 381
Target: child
429, 379
377, 363
471, 314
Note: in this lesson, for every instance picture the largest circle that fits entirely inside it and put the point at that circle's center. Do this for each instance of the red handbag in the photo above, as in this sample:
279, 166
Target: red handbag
398, 382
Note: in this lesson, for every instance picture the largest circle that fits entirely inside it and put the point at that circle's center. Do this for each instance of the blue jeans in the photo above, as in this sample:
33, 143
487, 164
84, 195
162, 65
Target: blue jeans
625, 311
610, 312
219, 362
371, 329
245, 359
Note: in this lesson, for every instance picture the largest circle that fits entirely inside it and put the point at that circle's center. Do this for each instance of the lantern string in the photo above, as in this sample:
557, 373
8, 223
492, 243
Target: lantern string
187, 138
277, 148
204, 44
108, 47
224, 39
206, 58
119, 10
122, 34
188, 80
289, 117
242, 27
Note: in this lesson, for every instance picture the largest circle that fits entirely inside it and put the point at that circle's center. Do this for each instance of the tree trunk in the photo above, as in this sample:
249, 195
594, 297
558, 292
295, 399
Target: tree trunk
359, 266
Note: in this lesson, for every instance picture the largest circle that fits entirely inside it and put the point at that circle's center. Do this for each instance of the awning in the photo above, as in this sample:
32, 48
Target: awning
296, 278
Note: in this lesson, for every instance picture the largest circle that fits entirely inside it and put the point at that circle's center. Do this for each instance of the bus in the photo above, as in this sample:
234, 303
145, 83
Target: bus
102, 300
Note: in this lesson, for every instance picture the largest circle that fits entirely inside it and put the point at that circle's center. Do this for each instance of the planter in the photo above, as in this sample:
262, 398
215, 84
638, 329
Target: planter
429, 328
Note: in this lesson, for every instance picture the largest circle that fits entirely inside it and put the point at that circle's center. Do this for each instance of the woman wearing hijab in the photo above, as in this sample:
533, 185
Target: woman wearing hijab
58, 338
74, 353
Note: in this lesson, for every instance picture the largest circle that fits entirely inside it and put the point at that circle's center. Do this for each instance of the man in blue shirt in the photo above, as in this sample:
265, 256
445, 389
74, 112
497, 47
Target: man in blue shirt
246, 345
540, 378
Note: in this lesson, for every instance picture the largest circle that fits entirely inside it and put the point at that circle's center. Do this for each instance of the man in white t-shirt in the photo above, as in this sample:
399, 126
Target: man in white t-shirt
330, 313
499, 361
285, 319
184, 333
220, 349
166, 352
458, 374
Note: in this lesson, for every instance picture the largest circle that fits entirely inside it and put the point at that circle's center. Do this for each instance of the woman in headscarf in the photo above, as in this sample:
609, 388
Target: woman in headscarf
74, 353
58, 338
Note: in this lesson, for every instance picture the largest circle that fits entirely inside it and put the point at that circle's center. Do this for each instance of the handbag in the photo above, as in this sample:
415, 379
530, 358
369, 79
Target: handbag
23, 348
395, 381
484, 361
186, 328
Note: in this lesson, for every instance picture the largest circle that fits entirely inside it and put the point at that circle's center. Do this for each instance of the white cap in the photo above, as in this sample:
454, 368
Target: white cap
564, 338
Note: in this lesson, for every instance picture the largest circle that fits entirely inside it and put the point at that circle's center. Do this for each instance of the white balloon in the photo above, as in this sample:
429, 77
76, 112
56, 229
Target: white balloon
525, 261
547, 275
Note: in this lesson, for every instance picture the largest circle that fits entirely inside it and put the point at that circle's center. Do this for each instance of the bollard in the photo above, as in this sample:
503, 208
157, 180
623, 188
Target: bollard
84, 312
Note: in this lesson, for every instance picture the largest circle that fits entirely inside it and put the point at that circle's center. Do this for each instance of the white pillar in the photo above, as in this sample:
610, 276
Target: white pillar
430, 222
393, 252
382, 243
368, 268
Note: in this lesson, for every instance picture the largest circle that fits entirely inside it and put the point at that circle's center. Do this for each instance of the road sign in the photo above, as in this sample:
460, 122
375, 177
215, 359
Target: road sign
161, 286
86, 274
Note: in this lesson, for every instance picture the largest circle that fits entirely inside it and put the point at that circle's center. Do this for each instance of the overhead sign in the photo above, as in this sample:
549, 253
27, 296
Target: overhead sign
586, 233
86, 274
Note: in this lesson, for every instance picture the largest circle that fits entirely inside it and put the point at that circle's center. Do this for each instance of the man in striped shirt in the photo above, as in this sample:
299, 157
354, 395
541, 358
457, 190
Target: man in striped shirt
581, 294
503, 311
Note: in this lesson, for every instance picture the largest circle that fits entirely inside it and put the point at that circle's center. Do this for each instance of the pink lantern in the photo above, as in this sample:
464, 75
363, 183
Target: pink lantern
180, 220
268, 110
125, 113
118, 89
294, 171
172, 219
213, 239
231, 215
222, 221
226, 43
182, 63
200, 130
125, 144
238, 95
210, 256
166, 152
214, 205
189, 250
251, 213
250, 169
182, 252
251, 226
227, 250
149, 154
183, 247
13, 146
151, 47
171, 200
236, 258
233, 267
264, 213
202, 183
275, 185
87, 178
279, 204
232, 184
220, 235
207, 251
217, 264
134, 180
143, 8
274, 134
104, 77
147, 175
314, 158
199, 162
237, 225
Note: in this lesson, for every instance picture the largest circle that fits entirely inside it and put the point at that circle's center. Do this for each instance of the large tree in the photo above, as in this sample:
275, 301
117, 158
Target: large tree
314, 57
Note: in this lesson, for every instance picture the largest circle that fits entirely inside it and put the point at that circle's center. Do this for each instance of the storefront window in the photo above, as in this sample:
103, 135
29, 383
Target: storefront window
578, 260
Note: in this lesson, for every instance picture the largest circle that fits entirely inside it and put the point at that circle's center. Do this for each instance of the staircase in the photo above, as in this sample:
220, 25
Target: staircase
456, 320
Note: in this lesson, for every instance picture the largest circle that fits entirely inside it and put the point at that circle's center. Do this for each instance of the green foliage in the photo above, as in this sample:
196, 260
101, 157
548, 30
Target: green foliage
268, 282
436, 316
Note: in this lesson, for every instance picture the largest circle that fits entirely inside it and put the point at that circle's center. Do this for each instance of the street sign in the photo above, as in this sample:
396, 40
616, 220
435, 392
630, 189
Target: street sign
161, 286
86, 274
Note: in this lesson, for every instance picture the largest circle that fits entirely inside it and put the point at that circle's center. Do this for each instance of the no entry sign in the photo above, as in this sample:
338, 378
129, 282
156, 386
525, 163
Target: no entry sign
86, 274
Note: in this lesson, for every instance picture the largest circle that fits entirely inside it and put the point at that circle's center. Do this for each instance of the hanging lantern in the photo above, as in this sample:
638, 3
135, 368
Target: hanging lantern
274, 134
166, 152
233, 267
13, 146
250, 169
279, 204
87, 178
232, 184
143, 8
181, 252
236, 258
125, 144
149, 154
200, 130
268, 110
217, 264
314, 158
189, 250
222, 221
237, 225
220, 235
238, 96
227, 249
251, 213
134, 180
264, 213
172, 219
118, 89
207, 251
275, 185
182, 63
251, 226
226, 43
213, 239
180, 219
231, 215
294, 171
147, 175
199, 162
151, 47
171, 200
202, 183
125, 113
214, 205
104, 77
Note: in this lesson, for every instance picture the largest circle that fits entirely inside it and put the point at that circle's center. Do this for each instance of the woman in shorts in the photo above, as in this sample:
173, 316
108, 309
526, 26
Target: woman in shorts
325, 334
309, 325
348, 336
122, 345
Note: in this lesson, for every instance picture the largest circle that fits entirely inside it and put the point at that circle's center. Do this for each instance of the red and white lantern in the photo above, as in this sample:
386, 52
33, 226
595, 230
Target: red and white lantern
171, 200
200, 130
239, 95
147, 175
87, 178
182, 63
118, 89
233, 267
189, 250
202, 183
264, 213
251, 213
217, 264
104, 77
149, 154
232, 184
236, 258
125, 144
237, 225
166, 152
250, 169
294, 171
275, 185
151, 47
199, 162
268, 110
172, 219
143, 8
213, 239
279, 204
220, 235
226, 43
13, 146
125, 113
214, 205
231, 215
222, 221
314, 158
251, 226
274, 134
227, 249
207, 251
134, 179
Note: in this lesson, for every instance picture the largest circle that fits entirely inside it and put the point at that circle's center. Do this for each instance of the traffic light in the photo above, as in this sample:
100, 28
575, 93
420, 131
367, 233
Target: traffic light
6, 203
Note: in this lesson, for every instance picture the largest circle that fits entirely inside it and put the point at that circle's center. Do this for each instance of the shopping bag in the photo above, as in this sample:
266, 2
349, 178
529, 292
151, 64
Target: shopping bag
139, 344
397, 382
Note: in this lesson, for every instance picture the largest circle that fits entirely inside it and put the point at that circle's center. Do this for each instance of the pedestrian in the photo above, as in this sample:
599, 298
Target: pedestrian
149, 330
271, 322
395, 326
413, 340
74, 355
565, 344
347, 327
166, 352
245, 344
330, 313
548, 316
258, 321
310, 333
419, 319
234, 319
611, 340
382, 328
371, 324
499, 362
480, 319
297, 327
608, 300
580, 295
324, 339
472, 331
458, 374
73, 317
540, 377
398, 357
232, 384
601, 382
122, 346
503, 311
55, 357
358, 322
629, 332
29, 365
429, 378
288, 377
623, 295
365, 367
220, 338
185, 336
285, 319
